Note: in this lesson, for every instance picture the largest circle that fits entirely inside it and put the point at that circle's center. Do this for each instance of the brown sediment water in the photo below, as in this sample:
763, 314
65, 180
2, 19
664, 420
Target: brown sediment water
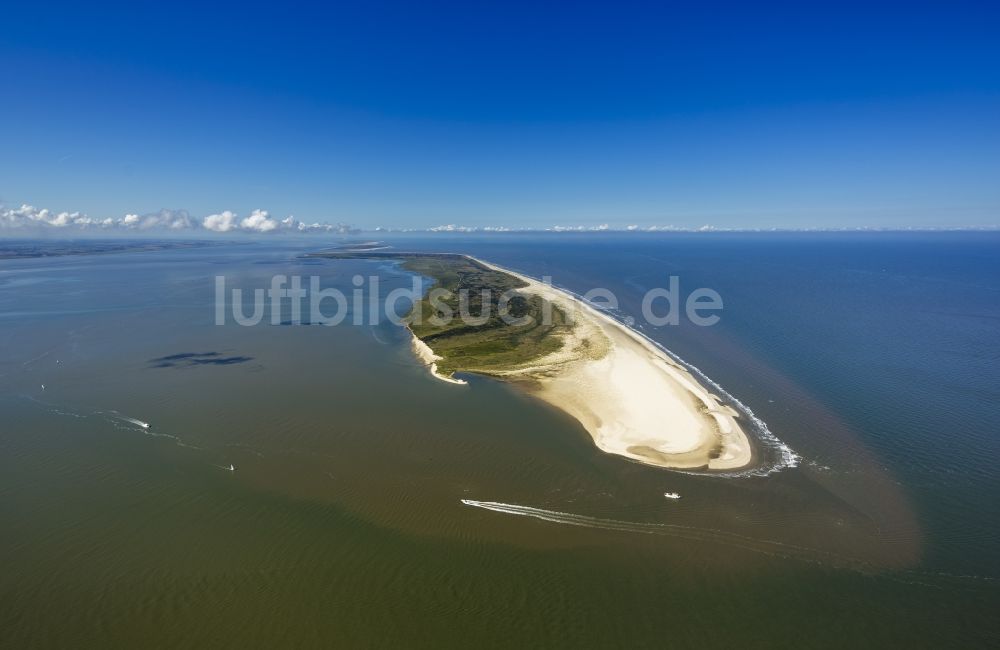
372, 504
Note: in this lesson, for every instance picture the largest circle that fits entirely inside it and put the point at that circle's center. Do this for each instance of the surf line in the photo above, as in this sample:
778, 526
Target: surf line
765, 546
786, 457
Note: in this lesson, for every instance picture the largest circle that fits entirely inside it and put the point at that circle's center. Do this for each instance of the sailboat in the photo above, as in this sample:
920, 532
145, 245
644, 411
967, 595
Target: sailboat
232, 468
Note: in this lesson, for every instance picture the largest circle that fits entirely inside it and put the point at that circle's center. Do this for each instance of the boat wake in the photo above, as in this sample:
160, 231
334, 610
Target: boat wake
773, 548
139, 423
765, 546
117, 418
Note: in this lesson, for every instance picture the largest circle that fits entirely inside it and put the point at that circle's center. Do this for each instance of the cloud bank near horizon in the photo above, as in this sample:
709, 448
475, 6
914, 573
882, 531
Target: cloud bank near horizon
29, 218
565, 228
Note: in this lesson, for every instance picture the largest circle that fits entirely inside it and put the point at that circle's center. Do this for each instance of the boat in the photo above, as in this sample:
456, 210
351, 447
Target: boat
138, 423
231, 468
671, 495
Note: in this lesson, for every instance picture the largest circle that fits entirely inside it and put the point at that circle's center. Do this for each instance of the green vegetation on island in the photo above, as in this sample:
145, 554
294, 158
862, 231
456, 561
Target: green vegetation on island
27, 248
473, 317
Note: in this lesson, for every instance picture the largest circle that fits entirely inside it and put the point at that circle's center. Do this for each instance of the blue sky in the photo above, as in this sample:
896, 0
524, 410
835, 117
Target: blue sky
412, 115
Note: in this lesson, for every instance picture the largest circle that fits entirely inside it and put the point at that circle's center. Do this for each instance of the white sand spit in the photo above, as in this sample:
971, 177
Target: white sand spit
630, 396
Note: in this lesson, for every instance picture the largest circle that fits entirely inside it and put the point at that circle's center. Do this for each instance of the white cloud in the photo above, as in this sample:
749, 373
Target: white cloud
169, 219
453, 228
222, 222
28, 217
603, 226
321, 227
259, 221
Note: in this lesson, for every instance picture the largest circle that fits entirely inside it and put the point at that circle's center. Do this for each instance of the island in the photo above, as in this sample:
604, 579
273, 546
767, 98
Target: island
33, 248
630, 395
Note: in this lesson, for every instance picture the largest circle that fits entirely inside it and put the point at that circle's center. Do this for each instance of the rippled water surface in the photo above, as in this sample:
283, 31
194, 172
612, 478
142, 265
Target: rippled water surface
374, 505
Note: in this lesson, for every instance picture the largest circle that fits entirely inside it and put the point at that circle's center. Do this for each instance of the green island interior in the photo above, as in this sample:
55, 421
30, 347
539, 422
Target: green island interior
481, 324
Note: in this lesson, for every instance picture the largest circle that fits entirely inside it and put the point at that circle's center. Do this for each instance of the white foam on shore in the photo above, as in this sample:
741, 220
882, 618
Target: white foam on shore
786, 458
430, 359
783, 456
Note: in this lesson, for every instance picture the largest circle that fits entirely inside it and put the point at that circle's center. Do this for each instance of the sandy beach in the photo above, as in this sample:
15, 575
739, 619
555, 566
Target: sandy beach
630, 396
429, 359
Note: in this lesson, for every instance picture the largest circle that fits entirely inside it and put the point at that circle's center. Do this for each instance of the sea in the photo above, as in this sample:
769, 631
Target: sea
170, 477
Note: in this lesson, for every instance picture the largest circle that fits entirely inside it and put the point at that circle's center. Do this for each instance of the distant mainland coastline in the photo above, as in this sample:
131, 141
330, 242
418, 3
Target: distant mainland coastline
32, 248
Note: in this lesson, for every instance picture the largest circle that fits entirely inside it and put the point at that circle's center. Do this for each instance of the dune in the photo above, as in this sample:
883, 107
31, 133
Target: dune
631, 396
429, 359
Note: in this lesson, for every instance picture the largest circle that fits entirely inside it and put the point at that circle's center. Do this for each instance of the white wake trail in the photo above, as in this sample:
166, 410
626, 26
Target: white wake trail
765, 546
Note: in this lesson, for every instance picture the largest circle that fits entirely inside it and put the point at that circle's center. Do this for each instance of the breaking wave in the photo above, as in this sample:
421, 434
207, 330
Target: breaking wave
781, 455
